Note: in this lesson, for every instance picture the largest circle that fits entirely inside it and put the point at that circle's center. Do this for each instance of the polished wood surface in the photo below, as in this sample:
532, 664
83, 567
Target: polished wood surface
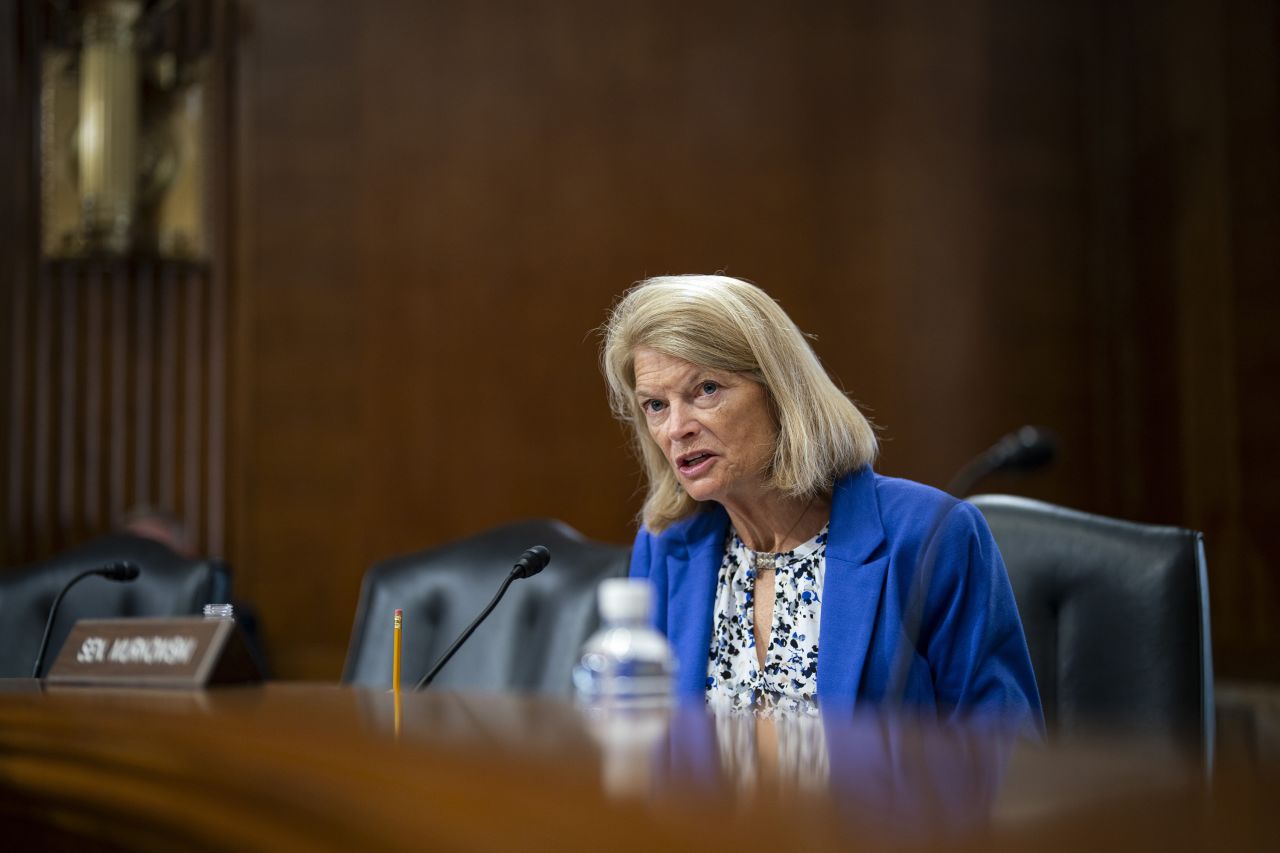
289, 766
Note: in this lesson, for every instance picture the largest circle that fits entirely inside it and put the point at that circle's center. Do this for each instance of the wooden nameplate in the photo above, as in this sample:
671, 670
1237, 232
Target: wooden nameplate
182, 653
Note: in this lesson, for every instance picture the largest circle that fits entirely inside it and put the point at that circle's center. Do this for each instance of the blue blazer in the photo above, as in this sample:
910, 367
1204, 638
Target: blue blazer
970, 654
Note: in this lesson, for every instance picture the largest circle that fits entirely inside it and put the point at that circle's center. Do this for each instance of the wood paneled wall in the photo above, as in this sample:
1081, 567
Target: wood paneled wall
989, 213
117, 401
115, 368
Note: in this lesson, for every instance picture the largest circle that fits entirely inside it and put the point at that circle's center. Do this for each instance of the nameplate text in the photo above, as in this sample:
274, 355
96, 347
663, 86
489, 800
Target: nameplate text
178, 652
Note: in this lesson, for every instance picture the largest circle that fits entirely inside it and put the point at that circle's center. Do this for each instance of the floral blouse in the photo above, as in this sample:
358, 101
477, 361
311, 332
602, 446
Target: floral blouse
790, 676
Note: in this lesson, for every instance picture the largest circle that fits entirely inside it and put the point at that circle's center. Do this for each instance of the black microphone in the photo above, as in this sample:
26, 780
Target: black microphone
123, 571
1024, 449
119, 572
530, 563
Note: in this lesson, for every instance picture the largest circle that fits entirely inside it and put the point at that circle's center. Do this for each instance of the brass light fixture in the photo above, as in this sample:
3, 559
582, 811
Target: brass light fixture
108, 137
122, 133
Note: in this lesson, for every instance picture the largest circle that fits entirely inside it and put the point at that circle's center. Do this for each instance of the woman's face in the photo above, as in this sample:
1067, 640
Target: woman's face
714, 426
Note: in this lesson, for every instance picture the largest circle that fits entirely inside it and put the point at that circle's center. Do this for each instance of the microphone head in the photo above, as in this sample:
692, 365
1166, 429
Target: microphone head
122, 571
1024, 450
532, 561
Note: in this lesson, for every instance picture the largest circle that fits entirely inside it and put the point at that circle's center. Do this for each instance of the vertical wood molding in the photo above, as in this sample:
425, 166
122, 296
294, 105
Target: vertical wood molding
17, 414
215, 419
193, 404
218, 22
117, 430
167, 441
1205, 288
1113, 368
143, 388
95, 516
42, 423
119, 400
68, 421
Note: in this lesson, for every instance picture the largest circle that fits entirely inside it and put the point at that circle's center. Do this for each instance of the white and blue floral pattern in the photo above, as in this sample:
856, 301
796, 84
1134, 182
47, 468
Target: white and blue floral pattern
791, 660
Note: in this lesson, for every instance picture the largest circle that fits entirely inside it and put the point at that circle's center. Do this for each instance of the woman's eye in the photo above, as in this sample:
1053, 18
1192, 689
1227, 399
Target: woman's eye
710, 387
652, 406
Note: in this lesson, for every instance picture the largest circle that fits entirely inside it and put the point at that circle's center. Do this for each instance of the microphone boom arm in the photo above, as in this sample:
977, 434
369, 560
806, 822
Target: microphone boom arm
530, 563
444, 659
116, 572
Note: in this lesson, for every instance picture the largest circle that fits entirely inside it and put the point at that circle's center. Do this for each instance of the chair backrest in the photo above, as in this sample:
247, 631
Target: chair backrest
1116, 616
529, 643
168, 585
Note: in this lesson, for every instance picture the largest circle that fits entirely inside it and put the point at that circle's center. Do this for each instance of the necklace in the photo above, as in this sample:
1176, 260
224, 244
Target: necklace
766, 561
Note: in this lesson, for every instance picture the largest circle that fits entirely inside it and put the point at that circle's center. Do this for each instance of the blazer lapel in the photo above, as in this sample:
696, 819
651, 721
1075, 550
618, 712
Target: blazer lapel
692, 589
852, 588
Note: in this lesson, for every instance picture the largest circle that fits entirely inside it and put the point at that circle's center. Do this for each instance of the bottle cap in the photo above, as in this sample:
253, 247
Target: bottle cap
219, 611
625, 599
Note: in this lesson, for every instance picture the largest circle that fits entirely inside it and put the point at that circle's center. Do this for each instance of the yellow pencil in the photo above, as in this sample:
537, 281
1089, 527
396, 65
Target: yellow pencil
395, 700
395, 654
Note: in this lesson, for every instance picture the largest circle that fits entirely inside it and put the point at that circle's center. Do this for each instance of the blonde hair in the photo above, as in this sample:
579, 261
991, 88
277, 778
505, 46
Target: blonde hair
728, 324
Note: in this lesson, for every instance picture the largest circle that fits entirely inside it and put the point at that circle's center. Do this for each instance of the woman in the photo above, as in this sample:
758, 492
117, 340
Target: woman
783, 564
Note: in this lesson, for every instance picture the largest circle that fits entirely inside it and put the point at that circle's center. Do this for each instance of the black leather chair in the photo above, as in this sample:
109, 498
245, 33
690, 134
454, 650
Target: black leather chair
529, 643
1116, 616
168, 585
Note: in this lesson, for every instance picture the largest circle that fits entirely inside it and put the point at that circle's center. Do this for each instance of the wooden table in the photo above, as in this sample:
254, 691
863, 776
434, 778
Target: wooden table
304, 766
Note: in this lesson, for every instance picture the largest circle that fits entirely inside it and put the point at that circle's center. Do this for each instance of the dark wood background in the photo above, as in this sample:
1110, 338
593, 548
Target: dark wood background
988, 213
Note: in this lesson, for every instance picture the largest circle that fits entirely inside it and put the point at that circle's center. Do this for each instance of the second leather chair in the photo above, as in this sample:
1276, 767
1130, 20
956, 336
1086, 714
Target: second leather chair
529, 643
1117, 620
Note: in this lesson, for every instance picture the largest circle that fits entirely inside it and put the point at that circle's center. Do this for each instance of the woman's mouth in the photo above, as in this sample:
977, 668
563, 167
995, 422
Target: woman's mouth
693, 464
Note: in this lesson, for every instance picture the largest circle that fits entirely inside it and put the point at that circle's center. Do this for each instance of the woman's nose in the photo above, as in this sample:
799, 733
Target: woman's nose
682, 422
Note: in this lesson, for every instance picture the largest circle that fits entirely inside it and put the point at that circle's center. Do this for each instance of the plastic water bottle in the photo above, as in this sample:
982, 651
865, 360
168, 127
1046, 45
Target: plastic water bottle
626, 664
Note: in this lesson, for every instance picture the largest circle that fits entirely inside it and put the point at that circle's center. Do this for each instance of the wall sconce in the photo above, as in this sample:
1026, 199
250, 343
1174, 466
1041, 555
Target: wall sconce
108, 137
123, 92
